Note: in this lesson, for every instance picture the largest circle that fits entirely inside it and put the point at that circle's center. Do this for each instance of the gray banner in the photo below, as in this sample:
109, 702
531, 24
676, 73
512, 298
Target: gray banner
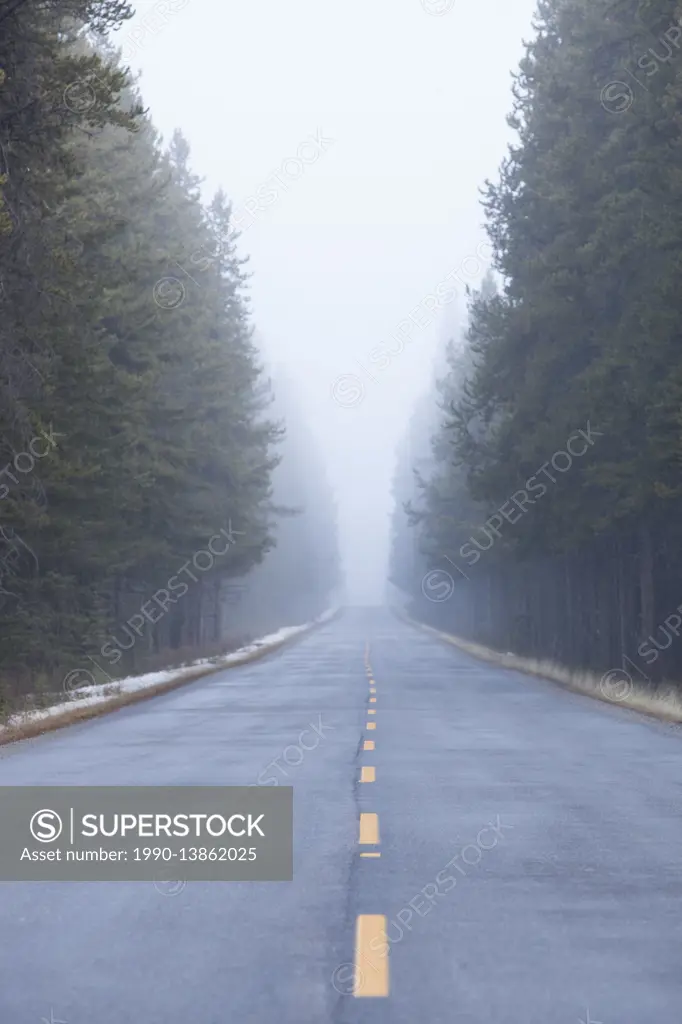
146, 833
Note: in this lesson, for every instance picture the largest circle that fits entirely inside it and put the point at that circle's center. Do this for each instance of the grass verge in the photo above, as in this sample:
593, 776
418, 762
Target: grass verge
71, 716
614, 687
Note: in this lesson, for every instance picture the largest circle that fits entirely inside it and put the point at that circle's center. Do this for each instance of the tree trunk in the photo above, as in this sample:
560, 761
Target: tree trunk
647, 623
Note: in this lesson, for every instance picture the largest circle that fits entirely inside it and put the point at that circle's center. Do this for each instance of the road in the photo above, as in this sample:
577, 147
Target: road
530, 844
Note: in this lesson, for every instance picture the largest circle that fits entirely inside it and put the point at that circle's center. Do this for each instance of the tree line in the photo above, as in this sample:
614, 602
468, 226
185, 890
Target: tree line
548, 520
137, 444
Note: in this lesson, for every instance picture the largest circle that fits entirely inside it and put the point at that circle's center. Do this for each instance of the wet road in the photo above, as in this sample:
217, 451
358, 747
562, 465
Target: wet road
529, 841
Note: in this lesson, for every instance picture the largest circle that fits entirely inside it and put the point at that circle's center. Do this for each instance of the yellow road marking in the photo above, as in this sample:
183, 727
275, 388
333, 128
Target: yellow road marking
372, 700
372, 689
371, 711
371, 725
368, 774
370, 854
369, 745
369, 829
371, 957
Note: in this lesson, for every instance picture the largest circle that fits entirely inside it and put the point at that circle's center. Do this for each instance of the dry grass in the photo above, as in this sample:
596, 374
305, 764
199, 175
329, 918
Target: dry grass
665, 703
70, 715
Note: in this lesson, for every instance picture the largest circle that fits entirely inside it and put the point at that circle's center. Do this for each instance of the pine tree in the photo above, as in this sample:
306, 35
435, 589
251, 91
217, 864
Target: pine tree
127, 332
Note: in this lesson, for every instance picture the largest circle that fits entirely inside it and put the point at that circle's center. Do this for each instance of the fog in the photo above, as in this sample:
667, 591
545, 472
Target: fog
408, 107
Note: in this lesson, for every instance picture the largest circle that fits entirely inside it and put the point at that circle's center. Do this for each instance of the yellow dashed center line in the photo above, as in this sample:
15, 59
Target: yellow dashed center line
371, 957
371, 976
369, 829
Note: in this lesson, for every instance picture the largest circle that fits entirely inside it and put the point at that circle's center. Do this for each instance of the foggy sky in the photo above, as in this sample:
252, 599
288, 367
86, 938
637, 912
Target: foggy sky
408, 108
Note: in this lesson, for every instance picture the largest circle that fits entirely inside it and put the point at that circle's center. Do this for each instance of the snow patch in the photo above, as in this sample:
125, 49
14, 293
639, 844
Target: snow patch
101, 693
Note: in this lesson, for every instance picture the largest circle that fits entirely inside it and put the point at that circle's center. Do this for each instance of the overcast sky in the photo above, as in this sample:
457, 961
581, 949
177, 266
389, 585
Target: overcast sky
396, 109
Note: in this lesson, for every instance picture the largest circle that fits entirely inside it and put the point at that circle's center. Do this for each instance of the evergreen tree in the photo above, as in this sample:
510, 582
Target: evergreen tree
126, 338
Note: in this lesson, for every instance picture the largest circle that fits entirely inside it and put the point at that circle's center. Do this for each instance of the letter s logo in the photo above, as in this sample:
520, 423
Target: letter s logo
46, 826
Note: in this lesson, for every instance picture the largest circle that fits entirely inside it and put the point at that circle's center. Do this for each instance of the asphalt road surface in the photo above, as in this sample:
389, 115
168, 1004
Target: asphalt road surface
529, 841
